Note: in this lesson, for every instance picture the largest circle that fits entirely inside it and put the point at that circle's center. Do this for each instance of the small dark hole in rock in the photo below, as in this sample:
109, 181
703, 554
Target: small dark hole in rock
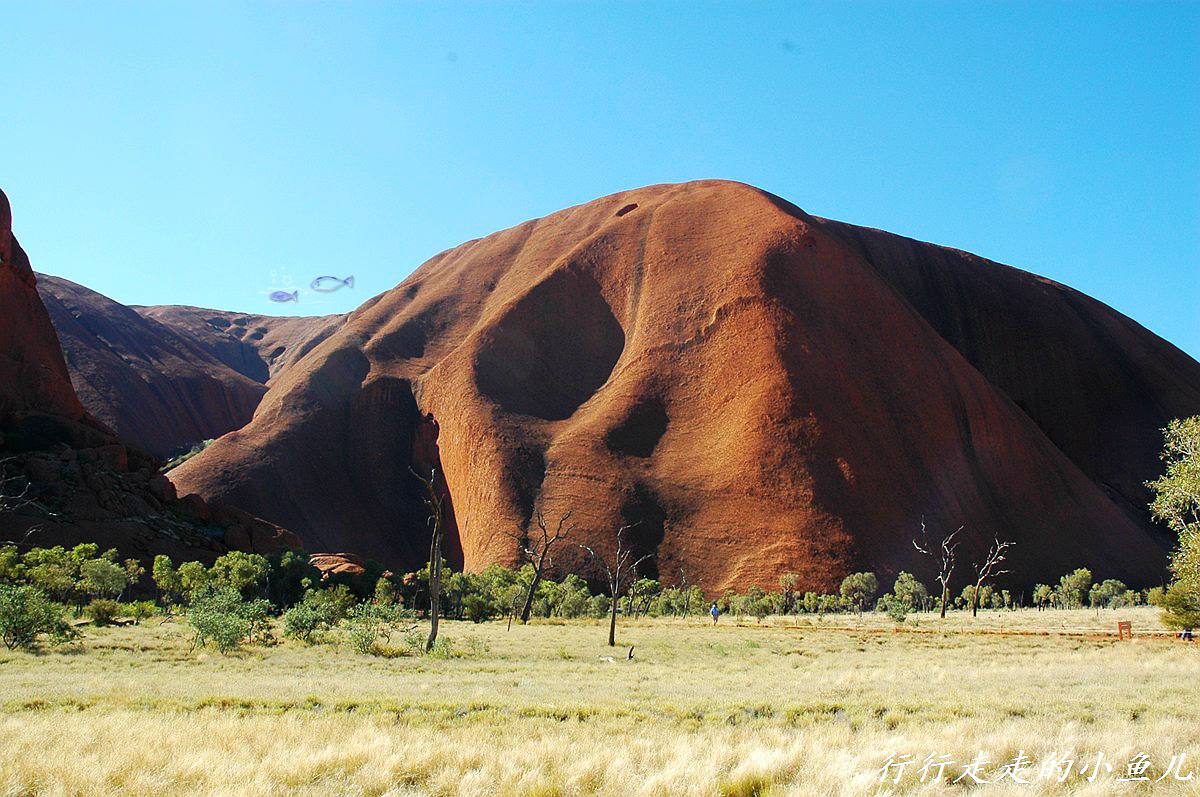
627, 208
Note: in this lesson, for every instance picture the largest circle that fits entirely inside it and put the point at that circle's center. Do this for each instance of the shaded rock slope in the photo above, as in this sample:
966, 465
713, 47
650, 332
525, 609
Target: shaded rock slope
154, 387
257, 346
82, 482
759, 390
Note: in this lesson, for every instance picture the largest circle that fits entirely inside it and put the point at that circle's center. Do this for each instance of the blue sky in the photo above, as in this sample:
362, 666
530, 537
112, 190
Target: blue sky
209, 153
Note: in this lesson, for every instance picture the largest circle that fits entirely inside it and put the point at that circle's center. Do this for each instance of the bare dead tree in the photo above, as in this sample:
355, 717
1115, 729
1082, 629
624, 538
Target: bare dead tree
617, 570
15, 496
435, 500
945, 553
683, 589
537, 551
987, 569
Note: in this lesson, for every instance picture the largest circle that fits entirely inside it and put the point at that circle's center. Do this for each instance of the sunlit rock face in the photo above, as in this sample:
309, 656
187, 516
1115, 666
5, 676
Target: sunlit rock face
757, 389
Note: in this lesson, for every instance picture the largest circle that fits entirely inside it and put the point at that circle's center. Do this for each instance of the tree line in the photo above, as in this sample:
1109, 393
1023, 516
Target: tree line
232, 600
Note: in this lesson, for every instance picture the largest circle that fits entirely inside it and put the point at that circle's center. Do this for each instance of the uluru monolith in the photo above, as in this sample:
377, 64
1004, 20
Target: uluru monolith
757, 389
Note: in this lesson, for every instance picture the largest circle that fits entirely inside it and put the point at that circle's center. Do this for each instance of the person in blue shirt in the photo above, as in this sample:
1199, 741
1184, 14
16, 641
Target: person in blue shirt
715, 613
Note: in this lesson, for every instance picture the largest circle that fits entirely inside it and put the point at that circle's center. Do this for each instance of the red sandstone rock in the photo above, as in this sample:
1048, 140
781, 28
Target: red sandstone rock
331, 564
33, 375
760, 390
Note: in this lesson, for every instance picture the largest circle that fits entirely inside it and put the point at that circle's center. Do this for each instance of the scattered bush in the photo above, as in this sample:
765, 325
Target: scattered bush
858, 588
302, 621
221, 617
368, 624
141, 610
26, 614
1181, 608
909, 592
319, 611
103, 611
895, 608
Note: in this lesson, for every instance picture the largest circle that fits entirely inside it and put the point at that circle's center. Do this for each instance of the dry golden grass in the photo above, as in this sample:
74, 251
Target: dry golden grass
736, 709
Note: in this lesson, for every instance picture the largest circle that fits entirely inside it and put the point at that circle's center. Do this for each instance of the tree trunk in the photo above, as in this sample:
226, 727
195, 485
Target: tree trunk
528, 608
435, 585
975, 601
612, 623
945, 597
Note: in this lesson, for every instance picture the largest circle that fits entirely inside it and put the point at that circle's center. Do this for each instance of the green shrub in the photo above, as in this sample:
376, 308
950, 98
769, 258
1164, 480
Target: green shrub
1181, 609
141, 610
221, 617
370, 623
319, 611
599, 606
443, 648
896, 608
414, 641
334, 603
26, 614
475, 607
304, 620
103, 611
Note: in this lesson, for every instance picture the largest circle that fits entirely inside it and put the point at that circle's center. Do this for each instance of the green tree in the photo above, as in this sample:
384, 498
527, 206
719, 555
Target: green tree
858, 589
910, 592
1106, 592
1177, 502
787, 586
1181, 609
1073, 588
100, 578
290, 576
385, 591
827, 604
193, 578
26, 614
133, 572
967, 597
12, 569
895, 608
571, 597
239, 570
1043, 596
641, 593
166, 579
55, 571
368, 623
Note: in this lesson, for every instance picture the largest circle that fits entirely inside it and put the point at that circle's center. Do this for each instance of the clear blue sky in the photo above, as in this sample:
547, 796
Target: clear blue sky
207, 153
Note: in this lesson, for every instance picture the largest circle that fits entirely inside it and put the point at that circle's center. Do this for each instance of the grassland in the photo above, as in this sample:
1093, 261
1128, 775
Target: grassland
788, 706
